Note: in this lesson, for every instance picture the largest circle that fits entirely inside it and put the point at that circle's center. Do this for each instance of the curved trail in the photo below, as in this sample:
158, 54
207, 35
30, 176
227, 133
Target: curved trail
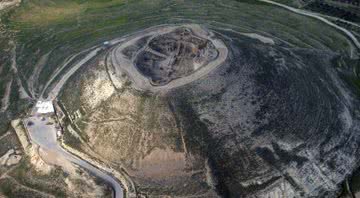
306, 13
45, 136
55, 91
92, 52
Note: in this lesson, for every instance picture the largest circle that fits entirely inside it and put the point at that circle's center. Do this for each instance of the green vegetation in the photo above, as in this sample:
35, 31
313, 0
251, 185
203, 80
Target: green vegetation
52, 183
66, 26
293, 3
197, 136
26, 181
355, 182
341, 10
72, 141
352, 78
62, 25
8, 142
4, 125
10, 188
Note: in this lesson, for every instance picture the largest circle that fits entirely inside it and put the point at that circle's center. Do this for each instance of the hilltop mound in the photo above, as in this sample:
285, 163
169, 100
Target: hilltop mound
237, 116
174, 55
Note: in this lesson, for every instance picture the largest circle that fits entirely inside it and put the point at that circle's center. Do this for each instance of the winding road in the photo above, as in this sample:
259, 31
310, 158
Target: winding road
44, 135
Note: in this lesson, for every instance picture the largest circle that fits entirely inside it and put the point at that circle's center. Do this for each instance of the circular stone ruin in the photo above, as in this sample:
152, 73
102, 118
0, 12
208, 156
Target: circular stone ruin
174, 55
169, 56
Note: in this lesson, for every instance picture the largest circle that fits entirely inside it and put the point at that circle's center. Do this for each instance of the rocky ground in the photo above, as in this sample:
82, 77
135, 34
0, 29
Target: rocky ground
274, 116
5, 4
272, 120
173, 55
280, 121
133, 131
24, 173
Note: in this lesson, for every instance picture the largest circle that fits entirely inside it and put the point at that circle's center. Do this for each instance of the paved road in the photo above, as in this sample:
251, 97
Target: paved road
44, 135
91, 53
55, 91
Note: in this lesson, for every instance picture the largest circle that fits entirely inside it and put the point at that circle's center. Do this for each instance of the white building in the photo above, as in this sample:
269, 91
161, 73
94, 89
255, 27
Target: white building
44, 107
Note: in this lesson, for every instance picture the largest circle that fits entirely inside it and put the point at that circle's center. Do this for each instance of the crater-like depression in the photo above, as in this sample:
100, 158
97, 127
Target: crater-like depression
174, 55
167, 54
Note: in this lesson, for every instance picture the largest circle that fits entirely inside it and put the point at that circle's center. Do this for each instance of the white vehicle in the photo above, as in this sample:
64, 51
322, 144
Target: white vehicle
58, 133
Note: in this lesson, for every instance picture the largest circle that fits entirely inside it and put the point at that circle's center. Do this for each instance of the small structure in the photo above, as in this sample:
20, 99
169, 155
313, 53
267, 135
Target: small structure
44, 107
59, 133
106, 43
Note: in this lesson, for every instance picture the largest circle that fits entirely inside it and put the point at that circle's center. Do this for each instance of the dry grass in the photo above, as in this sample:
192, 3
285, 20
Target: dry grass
44, 13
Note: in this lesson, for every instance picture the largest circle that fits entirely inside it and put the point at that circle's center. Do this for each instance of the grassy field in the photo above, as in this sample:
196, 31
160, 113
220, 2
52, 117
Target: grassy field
65, 26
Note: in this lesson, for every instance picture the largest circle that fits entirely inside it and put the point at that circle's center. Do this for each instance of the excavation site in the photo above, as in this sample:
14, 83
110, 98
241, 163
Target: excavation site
173, 55
166, 57
249, 114
183, 99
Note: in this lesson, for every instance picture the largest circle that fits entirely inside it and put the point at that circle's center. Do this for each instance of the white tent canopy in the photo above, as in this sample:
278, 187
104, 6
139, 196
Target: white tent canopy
44, 107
